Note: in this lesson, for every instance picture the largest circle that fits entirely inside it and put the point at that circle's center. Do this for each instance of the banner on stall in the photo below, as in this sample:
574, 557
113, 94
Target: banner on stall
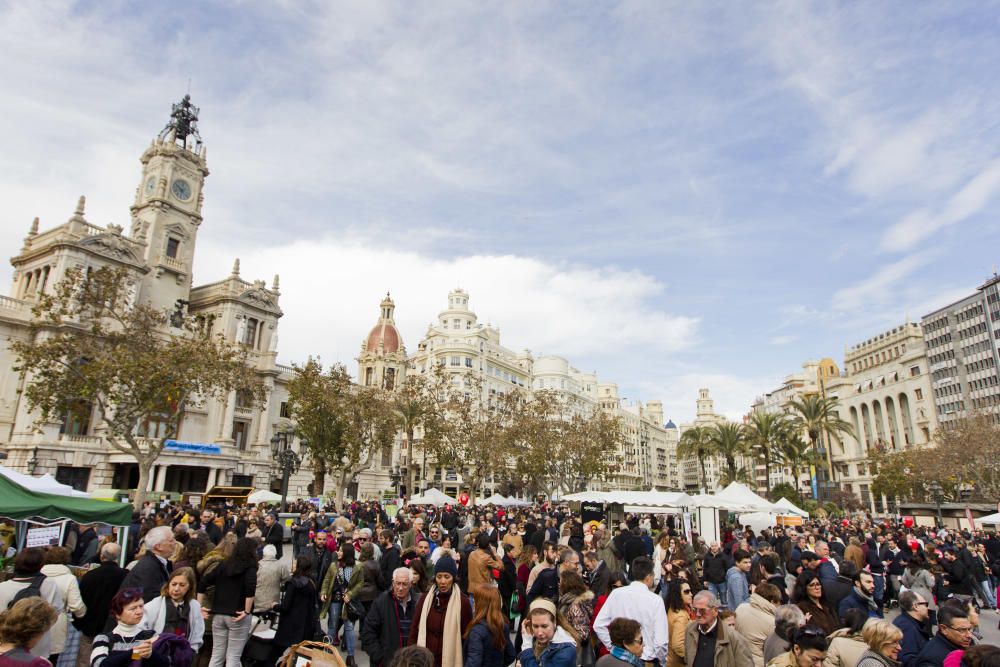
590, 511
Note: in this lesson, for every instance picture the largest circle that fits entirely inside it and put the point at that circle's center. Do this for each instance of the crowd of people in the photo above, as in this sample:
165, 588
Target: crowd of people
473, 587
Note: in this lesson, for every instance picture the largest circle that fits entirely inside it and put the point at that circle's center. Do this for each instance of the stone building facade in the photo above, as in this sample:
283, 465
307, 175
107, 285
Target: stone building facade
885, 395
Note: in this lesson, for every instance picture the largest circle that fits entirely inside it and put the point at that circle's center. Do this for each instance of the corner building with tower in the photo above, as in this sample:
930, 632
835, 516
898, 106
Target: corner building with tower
226, 442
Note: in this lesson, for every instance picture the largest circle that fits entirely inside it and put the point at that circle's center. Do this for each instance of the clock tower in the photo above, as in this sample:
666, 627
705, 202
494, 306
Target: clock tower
167, 209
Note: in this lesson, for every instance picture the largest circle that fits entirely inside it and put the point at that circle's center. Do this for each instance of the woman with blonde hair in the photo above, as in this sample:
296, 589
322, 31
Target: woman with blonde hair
883, 639
21, 627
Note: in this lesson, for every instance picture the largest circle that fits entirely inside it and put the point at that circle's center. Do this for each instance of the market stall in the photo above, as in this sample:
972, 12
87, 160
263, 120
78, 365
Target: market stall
41, 517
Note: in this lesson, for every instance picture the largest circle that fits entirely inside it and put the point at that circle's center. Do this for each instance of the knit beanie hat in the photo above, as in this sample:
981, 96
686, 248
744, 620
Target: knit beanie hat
447, 565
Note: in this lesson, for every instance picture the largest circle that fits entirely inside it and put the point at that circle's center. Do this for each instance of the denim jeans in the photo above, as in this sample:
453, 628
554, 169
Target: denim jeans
879, 588
229, 636
719, 590
333, 623
990, 595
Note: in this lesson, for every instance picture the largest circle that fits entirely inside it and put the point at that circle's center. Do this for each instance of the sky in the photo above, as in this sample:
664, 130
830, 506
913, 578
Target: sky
673, 195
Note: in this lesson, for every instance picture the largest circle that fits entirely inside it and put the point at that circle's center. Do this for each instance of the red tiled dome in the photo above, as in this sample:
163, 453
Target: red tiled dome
385, 334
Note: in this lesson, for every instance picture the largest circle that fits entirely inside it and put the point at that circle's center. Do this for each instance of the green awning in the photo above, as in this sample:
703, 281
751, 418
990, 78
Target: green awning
17, 503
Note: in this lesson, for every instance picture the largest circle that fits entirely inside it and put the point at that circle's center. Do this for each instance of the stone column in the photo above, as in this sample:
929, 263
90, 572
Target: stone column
161, 477
225, 428
151, 479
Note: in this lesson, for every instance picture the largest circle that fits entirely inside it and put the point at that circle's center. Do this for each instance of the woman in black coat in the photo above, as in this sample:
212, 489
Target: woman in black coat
298, 611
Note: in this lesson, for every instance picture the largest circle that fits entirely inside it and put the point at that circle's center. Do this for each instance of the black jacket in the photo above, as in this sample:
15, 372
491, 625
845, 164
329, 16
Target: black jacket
321, 559
836, 590
958, 577
380, 637
298, 612
633, 548
600, 580
715, 568
234, 582
274, 535
935, 651
546, 585
97, 587
388, 564
149, 574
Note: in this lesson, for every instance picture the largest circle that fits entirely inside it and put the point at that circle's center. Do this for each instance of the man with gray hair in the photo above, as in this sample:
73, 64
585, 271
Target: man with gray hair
97, 587
386, 627
708, 643
153, 569
271, 576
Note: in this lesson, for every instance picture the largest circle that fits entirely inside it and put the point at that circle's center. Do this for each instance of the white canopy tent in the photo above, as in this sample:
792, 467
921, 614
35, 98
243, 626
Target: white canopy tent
740, 497
495, 499
990, 519
43, 484
517, 502
263, 496
789, 508
656, 499
432, 497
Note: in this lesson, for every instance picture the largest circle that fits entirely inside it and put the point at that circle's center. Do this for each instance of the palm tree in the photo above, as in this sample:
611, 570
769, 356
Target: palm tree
817, 416
765, 433
410, 413
798, 454
729, 440
696, 443
743, 476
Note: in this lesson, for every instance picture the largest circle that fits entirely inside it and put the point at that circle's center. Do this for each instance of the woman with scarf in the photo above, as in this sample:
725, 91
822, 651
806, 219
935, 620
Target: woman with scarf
175, 611
626, 644
441, 615
809, 596
128, 641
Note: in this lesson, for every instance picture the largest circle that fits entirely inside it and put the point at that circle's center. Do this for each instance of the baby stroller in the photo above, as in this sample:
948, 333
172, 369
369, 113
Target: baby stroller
257, 651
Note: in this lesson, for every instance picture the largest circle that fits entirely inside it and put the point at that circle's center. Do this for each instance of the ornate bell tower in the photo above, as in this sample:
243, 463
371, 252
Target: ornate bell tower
167, 209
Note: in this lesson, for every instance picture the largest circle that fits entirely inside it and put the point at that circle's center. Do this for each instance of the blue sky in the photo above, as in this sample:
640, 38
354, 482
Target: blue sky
673, 195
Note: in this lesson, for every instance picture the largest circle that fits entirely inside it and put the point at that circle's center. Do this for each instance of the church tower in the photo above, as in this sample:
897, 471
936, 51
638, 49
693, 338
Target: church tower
382, 362
167, 209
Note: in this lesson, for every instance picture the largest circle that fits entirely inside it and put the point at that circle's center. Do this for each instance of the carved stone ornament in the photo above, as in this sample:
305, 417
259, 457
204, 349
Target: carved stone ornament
111, 245
259, 297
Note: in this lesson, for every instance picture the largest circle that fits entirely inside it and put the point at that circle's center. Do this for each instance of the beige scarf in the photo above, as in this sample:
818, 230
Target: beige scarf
451, 642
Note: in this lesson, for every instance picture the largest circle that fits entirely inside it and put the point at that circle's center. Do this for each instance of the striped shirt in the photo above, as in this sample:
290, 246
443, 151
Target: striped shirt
106, 644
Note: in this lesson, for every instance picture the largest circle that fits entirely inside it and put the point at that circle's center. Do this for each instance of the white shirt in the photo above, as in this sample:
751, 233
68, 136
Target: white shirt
637, 602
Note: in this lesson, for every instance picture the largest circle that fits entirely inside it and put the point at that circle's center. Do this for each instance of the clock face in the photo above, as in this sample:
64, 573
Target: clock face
150, 186
181, 189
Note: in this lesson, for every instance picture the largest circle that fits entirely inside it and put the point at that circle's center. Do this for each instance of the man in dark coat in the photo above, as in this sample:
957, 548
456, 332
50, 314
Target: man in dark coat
390, 555
862, 597
954, 634
153, 569
208, 525
838, 589
912, 622
274, 534
598, 574
633, 547
321, 556
386, 627
97, 587
957, 573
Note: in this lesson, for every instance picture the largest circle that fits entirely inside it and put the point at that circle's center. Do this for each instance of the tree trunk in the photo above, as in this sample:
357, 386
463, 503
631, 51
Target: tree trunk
341, 480
145, 466
704, 476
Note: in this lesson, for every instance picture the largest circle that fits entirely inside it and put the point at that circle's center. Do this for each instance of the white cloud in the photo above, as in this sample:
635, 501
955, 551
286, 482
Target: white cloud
979, 191
783, 339
331, 290
878, 288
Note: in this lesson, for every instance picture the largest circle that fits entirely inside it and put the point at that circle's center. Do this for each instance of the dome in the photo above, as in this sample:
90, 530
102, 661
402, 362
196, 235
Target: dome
670, 424
383, 335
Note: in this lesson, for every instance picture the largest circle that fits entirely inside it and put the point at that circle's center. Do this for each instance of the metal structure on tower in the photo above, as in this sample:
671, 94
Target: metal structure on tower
183, 123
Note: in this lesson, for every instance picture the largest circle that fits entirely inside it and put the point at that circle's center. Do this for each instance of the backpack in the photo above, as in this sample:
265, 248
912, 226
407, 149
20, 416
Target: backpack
32, 590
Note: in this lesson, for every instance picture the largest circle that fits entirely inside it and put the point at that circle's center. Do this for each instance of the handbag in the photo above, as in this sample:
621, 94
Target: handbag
354, 610
515, 606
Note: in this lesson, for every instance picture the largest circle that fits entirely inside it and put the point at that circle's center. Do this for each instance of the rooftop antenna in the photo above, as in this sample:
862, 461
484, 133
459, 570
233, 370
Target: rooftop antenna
189, 86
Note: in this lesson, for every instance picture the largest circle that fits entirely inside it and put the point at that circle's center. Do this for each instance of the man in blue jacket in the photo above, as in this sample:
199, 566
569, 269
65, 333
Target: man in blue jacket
862, 597
737, 584
912, 622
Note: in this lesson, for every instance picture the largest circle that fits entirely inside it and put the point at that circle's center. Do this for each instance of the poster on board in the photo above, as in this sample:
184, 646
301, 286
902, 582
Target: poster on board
44, 536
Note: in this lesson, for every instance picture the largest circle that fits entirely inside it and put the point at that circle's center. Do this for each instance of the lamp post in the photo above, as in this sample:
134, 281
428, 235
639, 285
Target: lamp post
937, 493
395, 477
33, 461
288, 460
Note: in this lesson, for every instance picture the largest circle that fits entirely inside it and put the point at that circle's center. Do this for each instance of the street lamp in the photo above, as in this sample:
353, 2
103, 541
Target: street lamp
395, 477
288, 460
937, 493
33, 461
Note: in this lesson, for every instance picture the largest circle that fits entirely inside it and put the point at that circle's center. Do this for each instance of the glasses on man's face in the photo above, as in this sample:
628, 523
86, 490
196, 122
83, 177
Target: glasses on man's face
703, 611
921, 604
961, 631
